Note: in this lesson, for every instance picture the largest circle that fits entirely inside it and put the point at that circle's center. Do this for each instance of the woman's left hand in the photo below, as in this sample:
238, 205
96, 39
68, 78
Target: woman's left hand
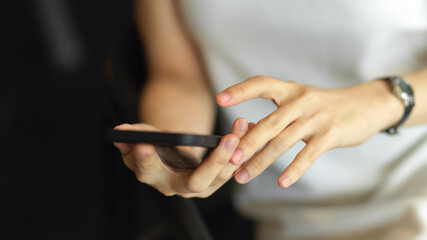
322, 118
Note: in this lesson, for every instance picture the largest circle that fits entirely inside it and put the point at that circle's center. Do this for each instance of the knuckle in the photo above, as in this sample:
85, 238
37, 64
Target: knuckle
311, 96
261, 79
238, 90
181, 195
333, 130
130, 163
310, 154
222, 177
321, 117
185, 195
141, 161
164, 189
252, 144
332, 136
312, 151
168, 193
271, 121
194, 186
257, 166
220, 160
296, 169
141, 177
276, 145
143, 165
206, 194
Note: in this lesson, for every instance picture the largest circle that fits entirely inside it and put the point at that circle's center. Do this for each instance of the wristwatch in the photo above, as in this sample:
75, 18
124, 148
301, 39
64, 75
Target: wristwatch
403, 91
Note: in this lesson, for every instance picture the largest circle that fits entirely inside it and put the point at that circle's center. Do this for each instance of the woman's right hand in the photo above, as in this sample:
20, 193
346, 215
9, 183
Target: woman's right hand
205, 179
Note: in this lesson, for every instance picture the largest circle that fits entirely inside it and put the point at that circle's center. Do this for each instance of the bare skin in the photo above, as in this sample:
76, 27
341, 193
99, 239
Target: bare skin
211, 173
177, 98
323, 118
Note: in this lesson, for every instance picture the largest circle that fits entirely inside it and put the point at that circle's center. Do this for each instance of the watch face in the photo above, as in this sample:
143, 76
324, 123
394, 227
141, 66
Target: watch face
404, 86
403, 90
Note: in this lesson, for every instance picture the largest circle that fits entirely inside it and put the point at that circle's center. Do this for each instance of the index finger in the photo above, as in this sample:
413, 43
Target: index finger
265, 130
258, 86
207, 171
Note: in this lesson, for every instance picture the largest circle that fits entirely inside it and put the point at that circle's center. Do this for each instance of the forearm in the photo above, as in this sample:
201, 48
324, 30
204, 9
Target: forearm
176, 97
388, 107
171, 106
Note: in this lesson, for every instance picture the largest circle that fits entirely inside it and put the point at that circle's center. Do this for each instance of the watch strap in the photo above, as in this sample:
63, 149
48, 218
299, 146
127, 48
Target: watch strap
402, 90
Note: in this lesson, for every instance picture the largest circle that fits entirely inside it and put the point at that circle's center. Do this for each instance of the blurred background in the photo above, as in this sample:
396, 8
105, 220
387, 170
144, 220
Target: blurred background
69, 70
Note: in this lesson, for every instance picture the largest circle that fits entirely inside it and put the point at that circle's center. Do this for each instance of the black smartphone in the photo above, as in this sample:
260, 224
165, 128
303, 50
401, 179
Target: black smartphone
164, 139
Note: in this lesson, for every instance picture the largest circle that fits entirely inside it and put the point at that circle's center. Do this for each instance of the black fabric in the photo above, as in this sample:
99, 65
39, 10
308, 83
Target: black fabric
59, 178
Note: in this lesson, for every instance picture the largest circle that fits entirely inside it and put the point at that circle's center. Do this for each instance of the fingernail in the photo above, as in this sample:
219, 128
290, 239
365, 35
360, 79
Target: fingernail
243, 125
230, 144
286, 181
242, 176
237, 156
224, 97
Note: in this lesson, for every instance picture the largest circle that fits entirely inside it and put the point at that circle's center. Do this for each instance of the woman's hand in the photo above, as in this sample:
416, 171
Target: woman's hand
322, 118
211, 174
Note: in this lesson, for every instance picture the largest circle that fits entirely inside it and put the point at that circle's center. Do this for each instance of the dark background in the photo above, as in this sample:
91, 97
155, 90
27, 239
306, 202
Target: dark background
68, 71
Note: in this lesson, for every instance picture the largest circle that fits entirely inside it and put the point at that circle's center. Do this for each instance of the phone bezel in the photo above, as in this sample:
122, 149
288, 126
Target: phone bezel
164, 139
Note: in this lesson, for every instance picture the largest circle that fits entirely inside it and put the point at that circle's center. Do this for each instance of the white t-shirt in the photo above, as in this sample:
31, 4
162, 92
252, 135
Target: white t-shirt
329, 44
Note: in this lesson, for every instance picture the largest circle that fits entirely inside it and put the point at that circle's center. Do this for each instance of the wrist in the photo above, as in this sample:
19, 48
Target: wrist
382, 108
393, 108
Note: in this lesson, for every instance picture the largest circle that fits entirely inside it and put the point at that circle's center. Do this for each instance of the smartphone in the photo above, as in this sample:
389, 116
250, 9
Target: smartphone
164, 139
